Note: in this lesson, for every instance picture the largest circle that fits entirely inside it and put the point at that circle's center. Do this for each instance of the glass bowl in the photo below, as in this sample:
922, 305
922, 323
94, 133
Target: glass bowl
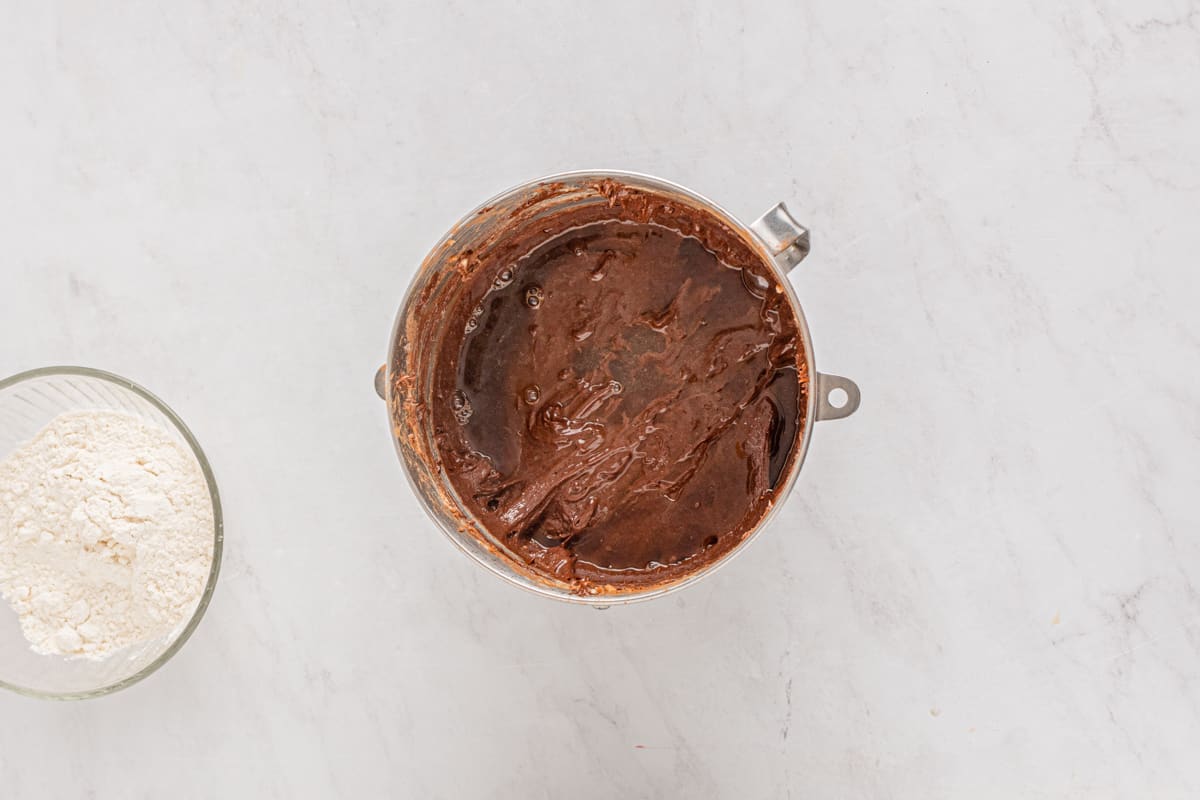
28, 402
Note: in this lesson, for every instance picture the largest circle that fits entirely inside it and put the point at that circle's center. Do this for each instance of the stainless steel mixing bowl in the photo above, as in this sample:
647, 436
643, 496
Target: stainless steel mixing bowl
404, 380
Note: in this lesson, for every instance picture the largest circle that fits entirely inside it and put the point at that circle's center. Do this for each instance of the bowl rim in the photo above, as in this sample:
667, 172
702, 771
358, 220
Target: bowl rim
218, 526
477, 551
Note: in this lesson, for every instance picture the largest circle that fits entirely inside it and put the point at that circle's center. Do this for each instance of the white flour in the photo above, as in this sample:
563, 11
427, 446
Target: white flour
106, 534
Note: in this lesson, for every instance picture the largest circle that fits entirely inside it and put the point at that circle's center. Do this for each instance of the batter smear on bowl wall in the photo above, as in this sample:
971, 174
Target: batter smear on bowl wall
619, 391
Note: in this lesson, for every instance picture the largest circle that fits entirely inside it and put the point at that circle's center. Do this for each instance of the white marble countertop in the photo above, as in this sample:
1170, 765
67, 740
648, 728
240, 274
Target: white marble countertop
988, 581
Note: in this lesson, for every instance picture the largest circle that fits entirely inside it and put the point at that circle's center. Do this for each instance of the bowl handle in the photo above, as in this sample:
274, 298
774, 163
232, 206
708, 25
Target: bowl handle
785, 238
380, 377
827, 384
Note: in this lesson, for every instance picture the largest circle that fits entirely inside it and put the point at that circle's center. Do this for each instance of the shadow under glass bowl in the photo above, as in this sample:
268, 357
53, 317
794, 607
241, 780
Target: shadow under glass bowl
28, 402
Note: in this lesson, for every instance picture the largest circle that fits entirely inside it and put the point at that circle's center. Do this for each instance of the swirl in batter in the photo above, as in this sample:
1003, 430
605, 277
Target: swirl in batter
618, 404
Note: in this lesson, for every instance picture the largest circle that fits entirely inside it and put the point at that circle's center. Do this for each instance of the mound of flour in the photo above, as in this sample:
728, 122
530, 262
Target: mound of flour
106, 534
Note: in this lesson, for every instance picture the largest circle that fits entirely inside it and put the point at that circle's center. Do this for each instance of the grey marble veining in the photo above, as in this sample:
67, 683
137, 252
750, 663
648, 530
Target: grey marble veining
987, 583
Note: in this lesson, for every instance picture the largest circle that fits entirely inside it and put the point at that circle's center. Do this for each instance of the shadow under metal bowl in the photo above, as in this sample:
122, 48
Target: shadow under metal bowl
28, 402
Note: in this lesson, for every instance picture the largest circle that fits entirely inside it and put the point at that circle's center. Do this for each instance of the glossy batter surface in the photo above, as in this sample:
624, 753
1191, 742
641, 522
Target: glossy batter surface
618, 404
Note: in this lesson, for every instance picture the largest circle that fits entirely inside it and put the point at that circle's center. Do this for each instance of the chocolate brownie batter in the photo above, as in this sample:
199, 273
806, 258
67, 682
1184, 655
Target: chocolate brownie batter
620, 391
